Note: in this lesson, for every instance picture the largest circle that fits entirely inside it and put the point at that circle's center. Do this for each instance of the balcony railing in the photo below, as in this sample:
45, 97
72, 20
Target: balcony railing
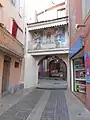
45, 45
8, 42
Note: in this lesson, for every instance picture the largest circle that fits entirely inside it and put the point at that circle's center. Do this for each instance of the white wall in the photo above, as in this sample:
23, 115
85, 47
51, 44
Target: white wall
51, 14
28, 38
48, 15
65, 58
30, 71
71, 70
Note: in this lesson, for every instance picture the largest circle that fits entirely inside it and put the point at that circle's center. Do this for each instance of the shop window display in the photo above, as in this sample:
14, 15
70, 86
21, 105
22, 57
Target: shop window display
79, 75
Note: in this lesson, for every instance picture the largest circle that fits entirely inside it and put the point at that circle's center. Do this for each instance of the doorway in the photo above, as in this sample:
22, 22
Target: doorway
6, 73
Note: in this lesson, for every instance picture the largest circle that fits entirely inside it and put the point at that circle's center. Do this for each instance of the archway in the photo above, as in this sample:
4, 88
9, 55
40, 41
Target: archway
52, 67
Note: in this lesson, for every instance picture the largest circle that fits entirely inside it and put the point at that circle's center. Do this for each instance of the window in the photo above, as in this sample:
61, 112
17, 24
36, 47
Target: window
61, 13
21, 7
13, 2
85, 8
16, 3
16, 65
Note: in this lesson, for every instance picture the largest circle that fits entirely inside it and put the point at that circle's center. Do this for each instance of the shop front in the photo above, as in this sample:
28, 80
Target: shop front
78, 77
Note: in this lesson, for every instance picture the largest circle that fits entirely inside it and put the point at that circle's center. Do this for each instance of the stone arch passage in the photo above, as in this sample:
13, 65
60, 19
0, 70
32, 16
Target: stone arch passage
52, 67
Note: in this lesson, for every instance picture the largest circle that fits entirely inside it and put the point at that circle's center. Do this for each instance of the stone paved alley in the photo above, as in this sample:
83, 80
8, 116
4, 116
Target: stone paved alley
39, 104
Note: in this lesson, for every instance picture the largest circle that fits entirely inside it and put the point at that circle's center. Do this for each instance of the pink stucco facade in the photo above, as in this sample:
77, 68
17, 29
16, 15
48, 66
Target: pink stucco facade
77, 8
11, 78
8, 13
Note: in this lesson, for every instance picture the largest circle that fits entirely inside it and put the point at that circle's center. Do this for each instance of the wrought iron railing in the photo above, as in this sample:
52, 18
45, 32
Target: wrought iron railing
46, 44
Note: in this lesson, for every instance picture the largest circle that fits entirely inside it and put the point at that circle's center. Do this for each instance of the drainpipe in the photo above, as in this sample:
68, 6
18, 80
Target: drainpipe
69, 18
24, 42
24, 25
24, 36
69, 43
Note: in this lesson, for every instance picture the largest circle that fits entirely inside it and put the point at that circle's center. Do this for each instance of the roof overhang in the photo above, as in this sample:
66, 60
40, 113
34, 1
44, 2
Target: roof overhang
46, 24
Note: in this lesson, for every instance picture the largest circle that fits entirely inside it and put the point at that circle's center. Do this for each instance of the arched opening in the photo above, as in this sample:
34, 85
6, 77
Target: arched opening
52, 68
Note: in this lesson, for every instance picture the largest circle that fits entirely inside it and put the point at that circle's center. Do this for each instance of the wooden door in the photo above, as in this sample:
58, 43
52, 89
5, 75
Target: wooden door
5, 80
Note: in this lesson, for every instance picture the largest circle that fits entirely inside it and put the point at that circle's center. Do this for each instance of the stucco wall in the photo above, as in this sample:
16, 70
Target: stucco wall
31, 69
85, 33
14, 72
15, 81
15, 78
9, 12
65, 58
51, 14
75, 7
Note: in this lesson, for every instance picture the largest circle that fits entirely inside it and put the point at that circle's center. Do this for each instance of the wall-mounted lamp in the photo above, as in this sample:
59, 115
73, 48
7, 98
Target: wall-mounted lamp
1, 24
79, 26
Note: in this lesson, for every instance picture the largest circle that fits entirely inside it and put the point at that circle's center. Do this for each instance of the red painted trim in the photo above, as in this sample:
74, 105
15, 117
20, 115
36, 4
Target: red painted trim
14, 29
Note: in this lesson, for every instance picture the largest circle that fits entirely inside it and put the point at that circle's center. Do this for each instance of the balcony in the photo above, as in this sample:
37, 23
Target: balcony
48, 37
47, 46
10, 44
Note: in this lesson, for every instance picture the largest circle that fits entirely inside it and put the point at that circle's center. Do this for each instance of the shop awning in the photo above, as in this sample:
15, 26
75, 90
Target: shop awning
47, 24
76, 47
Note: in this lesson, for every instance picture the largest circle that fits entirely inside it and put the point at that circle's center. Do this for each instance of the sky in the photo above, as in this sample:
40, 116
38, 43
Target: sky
38, 5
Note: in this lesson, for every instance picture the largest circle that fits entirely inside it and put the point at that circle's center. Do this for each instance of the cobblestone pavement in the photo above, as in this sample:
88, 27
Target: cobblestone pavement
22, 109
56, 107
47, 105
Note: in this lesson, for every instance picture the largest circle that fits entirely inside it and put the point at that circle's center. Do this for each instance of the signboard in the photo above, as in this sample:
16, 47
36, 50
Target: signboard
87, 66
76, 47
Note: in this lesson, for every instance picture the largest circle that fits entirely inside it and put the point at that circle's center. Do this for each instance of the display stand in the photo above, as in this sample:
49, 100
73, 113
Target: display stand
80, 82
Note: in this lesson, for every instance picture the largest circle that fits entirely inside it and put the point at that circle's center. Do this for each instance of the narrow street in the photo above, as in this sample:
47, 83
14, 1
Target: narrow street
44, 60
40, 104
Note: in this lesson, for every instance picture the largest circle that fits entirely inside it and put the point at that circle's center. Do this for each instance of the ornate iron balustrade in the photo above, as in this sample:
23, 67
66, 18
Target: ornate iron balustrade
46, 44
